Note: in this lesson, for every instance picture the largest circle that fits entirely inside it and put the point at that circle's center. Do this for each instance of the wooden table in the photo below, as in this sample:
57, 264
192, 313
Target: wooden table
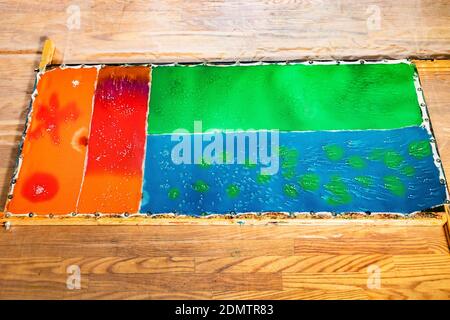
326, 260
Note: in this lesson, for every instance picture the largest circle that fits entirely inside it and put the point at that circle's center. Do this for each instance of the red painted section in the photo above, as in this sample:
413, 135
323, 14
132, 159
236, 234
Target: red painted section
116, 143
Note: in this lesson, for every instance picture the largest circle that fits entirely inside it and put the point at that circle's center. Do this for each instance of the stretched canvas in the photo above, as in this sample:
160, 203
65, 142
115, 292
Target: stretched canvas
204, 139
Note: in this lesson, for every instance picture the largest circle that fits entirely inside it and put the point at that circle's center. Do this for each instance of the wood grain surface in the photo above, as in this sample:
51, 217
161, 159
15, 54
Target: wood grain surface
225, 262
328, 261
173, 30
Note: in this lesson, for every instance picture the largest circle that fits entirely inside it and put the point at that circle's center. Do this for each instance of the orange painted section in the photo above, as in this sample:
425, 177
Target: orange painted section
113, 179
54, 149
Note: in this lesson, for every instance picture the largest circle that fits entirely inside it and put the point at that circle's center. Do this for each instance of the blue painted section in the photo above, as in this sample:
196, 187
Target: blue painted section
370, 170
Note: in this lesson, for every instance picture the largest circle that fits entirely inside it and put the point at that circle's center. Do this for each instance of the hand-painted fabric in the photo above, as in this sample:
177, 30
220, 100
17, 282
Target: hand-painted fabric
201, 140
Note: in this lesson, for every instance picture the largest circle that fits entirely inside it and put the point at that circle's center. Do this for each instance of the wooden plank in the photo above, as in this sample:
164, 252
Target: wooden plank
170, 282
154, 248
293, 264
295, 294
374, 245
104, 295
41, 283
100, 265
343, 294
49, 235
173, 30
398, 280
416, 293
425, 264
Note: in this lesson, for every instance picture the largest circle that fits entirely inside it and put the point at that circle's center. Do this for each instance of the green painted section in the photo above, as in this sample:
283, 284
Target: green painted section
204, 164
233, 191
263, 178
200, 186
333, 152
310, 182
289, 159
290, 190
249, 164
365, 181
173, 193
356, 162
408, 171
420, 149
392, 159
284, 97
339, 192
377, 154
395, 185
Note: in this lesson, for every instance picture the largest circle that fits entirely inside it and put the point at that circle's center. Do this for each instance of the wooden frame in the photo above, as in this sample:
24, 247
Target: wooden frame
439, 218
